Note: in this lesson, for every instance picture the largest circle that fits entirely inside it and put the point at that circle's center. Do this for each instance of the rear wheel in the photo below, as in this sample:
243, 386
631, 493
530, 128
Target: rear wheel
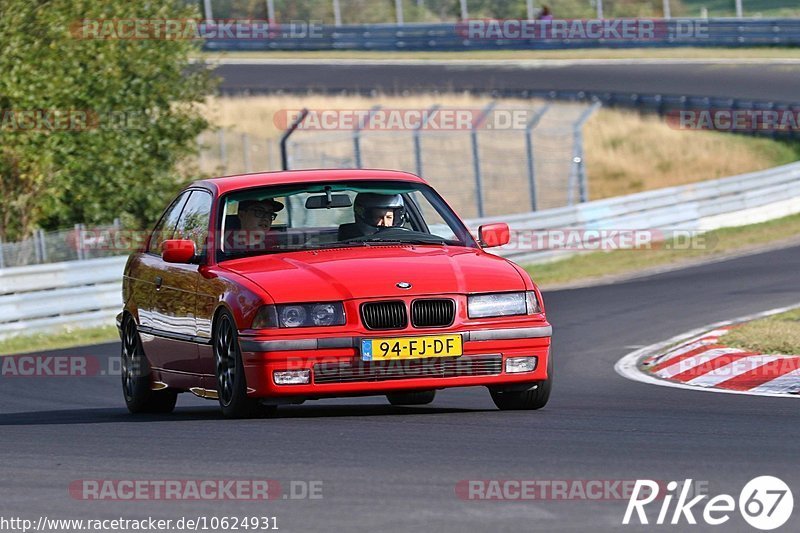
535, 397
136, 376
231, 381
412, 398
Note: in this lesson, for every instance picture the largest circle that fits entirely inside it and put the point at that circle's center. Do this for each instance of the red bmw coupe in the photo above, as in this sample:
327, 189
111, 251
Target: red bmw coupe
275, 288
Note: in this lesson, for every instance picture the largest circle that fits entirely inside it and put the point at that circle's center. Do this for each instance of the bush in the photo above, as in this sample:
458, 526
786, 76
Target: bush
130, 106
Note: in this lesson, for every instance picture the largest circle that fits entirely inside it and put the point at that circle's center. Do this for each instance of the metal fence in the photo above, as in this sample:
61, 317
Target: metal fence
224, 152
664, 104
483, 170
721, 32
57, 246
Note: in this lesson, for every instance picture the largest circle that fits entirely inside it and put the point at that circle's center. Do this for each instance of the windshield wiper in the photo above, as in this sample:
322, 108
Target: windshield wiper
407, 241
338, 244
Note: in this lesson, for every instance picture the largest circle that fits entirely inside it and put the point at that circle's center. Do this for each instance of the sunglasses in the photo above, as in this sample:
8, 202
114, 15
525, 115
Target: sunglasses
263, 213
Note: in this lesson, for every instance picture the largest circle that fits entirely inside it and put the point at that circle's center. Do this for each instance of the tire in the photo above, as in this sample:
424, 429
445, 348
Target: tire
412, 398
137, 378
229, 370
531, 399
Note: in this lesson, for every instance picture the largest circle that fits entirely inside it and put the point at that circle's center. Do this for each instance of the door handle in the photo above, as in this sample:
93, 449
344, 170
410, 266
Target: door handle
159, 281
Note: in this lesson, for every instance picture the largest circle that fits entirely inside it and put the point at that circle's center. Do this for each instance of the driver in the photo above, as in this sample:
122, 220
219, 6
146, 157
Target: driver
374, 211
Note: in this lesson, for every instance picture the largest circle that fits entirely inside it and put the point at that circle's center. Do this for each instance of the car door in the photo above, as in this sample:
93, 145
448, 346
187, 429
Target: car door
147, 270
175, 303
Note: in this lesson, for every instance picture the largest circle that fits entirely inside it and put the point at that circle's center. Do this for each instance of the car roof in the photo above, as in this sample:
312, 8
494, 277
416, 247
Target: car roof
288, 177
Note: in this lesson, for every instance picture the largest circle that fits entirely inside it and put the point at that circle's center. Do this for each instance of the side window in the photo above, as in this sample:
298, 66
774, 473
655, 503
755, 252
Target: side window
193, 224
166, 226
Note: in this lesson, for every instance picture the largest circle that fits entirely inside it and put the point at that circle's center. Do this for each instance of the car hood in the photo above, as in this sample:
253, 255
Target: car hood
375, 271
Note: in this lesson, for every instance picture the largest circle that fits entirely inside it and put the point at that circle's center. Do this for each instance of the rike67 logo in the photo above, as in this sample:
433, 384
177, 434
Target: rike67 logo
765, 503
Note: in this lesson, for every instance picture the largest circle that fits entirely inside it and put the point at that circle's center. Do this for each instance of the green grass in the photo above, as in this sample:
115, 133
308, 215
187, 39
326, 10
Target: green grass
726, 8
602, 53
66, 338
775, 334
709, 245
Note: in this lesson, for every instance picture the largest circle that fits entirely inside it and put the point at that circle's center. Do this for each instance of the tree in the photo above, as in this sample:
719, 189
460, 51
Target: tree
93, 129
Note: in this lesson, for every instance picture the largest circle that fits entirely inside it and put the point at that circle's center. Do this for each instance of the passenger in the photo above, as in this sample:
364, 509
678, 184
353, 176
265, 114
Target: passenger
257, 215
255, 219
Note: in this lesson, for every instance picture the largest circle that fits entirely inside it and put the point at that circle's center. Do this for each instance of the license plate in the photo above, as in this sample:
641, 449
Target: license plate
411, 347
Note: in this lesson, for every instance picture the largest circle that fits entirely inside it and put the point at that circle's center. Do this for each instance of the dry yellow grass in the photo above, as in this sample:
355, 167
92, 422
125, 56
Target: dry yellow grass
625, 152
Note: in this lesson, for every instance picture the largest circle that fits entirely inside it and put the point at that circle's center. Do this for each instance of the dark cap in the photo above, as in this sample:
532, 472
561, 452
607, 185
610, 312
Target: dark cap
244, 205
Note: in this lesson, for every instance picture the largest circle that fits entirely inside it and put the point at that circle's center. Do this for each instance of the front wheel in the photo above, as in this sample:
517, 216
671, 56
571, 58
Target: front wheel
231, 381
534, 398
136, 376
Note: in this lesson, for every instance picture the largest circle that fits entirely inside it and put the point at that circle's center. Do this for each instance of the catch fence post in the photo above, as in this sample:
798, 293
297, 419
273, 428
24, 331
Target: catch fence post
532, 123
476, 158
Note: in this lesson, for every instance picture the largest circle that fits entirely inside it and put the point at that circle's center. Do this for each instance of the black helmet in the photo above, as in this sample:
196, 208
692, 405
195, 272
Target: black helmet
369, 207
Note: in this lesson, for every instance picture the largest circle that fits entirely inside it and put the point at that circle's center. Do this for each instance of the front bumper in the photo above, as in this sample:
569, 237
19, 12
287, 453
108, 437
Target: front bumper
336, 367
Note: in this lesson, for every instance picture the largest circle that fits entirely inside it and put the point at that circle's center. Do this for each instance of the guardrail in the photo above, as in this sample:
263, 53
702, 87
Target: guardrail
82, 293
733, 201
728, 32
41, 298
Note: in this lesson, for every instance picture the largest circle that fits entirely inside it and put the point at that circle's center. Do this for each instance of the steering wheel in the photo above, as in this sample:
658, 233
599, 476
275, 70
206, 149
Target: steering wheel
391, 228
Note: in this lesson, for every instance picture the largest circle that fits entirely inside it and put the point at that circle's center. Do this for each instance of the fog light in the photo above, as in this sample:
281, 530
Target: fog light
292, 377
515, 365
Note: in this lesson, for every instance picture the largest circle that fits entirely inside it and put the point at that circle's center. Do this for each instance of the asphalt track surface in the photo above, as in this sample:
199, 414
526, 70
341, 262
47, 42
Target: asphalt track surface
385, 468
764, 81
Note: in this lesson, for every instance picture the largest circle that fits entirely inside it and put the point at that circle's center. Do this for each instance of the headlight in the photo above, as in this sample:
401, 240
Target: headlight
299, 315
292, 316
502, 304
325, 314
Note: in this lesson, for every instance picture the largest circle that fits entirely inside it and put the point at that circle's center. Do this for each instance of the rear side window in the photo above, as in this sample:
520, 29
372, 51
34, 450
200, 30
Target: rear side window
193, 223
166, 226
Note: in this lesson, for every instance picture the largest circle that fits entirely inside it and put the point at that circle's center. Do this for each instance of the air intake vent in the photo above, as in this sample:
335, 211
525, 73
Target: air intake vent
384, 315
433, 313
440, 367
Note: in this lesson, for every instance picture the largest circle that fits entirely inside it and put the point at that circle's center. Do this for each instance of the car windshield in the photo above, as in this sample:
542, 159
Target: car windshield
312, 216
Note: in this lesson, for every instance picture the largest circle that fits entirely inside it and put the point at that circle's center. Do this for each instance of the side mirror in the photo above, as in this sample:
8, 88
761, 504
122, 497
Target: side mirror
492, 235
177, 251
